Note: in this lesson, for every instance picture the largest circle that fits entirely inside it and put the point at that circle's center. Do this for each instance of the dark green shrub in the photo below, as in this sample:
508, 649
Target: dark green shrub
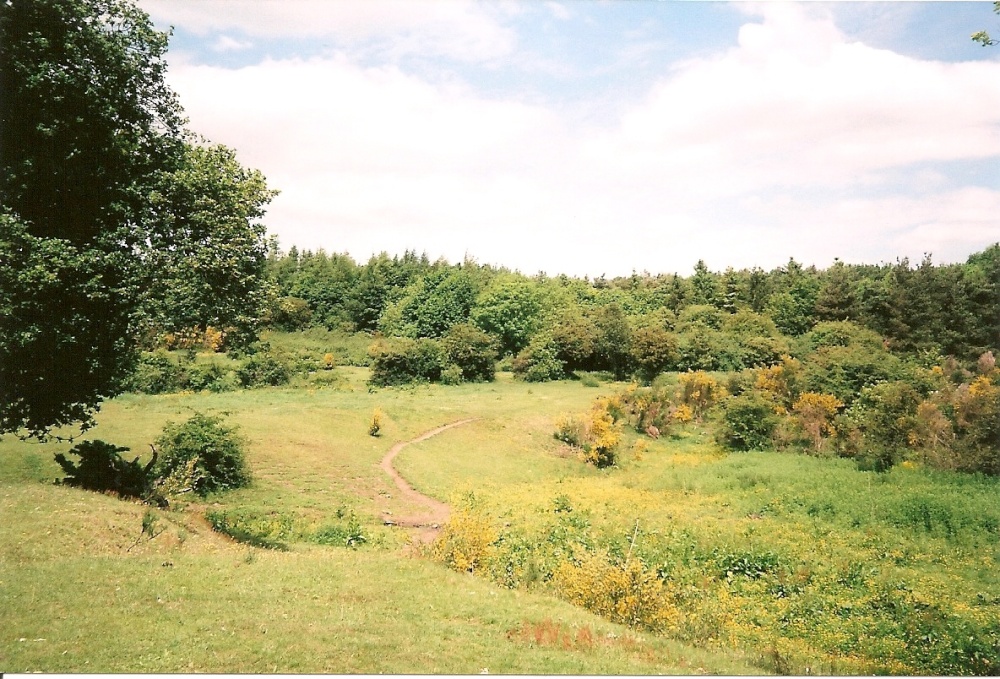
538, 362
885, 418
155, 373
759, 351
102, 468
263, 370
218, 451
845, 371
573, 339
451, 375
473, 351
748, 421
703, 348
404, 360
210, 377
654, 349
291, 313
749, 324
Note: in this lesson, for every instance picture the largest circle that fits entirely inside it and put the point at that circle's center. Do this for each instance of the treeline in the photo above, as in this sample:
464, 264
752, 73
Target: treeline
644, 324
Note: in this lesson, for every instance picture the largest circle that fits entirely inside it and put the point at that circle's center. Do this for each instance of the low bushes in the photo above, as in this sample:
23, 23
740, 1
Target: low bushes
200, 455
464, 354
275, 530
472, 351
101, 468
747, 422
161, 373
216, 452
404, 360
597, 434
263, 370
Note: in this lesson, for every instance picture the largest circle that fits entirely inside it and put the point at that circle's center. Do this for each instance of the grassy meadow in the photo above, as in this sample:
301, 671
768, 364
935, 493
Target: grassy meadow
84, 589
770, 562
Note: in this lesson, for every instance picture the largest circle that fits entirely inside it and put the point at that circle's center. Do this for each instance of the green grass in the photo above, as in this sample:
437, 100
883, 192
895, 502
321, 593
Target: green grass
785, 560
211, 606
87, 591
905, 561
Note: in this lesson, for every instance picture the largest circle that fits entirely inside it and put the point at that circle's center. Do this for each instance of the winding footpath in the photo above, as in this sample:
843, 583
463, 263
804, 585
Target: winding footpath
437, 511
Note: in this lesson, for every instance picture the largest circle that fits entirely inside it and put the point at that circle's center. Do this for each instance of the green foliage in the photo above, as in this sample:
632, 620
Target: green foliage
843, 334
472, 350
654, 349
510, 310
155, 373
613, 343
86, 122
701, 315
105, 204
748, 421
403, 360
275, 530
573, 339
451, 375
290, 313
884, 418
263, 369
845, 371
747, 323
209, 253
102, 468
539, 362
436, 302
219, 451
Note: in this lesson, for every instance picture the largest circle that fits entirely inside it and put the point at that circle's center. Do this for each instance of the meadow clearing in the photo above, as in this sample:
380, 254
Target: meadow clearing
709, 562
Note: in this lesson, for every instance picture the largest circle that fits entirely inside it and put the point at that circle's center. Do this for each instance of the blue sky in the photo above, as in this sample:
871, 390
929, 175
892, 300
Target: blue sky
592, 137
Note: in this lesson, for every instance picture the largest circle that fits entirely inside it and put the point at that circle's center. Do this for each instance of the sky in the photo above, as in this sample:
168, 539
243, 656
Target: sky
590, 137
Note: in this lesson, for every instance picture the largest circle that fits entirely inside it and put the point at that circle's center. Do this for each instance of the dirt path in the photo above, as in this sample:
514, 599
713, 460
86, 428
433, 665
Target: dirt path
429, 524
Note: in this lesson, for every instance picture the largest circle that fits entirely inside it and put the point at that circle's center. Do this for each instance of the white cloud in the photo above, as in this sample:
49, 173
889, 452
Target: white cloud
740, 159
459, 29
226, 44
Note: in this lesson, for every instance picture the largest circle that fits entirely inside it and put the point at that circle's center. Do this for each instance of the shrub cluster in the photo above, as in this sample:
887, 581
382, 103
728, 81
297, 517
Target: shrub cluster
159, 372
464, 354
943, 417
275, 530
217, 452
102, 468
628, 593
200, 455
596, 435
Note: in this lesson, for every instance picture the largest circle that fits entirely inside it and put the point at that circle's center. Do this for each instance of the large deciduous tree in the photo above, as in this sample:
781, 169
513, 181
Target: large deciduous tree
207, 260
89, 131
